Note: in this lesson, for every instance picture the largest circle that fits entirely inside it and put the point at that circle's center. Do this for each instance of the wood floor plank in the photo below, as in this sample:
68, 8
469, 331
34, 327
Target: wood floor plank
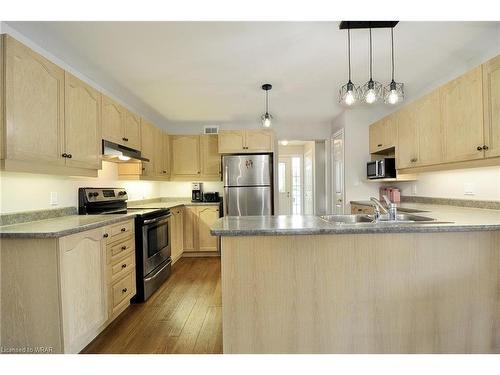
181, 317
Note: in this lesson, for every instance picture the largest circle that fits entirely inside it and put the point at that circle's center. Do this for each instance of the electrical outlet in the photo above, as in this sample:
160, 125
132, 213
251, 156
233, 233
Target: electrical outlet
53, 198
469, 188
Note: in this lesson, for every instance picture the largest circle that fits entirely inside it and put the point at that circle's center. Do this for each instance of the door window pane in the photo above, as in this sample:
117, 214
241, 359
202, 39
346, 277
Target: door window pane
296, 186
281, 177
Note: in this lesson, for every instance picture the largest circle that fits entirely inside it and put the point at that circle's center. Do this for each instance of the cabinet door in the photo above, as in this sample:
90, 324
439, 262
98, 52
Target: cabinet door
190, 228
147, 148
177, 233
82, 124
166, 155
186, 155
231, 141
390, 131
132, 130
83, 287
34, 106
377, 135
210, 158
112, 121
462, 111
158, 153
491, 97
206, 217
259, 140
426, 117
407, 149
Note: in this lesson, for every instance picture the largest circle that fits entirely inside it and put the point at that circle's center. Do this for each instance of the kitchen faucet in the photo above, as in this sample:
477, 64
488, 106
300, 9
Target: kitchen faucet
391, 213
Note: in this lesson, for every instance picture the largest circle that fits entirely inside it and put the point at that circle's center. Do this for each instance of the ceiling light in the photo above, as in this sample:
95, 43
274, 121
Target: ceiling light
349, 93
266, 117
372, 90
284, 142
394, 91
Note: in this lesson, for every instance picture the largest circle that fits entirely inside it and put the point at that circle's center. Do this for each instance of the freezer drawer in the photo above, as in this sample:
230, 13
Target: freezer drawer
248, 201
247, 170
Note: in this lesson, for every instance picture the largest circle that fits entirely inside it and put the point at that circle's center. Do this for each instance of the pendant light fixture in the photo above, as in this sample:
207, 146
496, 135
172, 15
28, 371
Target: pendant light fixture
372, 90
349, 93
266, 117
394, 91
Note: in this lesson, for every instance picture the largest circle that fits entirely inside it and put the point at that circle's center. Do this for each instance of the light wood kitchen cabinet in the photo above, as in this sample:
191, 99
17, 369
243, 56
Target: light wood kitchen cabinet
159, 165
185, 156
119, 125
34, 106
148, 135
132, 130
419, 133
245, 141
206, 217
197, 222
166, 156
383, 134
82, 124
491, 97
357, 209
83, 288
177, 233
462, 116
210, 158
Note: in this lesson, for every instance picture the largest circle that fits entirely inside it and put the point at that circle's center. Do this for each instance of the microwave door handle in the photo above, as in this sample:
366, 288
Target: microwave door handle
376, 168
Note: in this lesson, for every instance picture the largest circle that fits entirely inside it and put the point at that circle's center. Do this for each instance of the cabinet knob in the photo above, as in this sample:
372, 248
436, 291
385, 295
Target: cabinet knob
124, 247
124, 290
198, 172
65, 155
164, 171
479, 148
125, 139
124, 229
380, 145
105, 235
413, 160
70, 156
485, 147
124, 266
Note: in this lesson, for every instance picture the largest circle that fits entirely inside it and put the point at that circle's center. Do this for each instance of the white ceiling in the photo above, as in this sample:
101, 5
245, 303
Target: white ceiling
211, 72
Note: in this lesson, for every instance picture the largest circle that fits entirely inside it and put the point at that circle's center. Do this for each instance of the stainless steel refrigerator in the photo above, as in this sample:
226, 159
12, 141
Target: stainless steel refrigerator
248, 185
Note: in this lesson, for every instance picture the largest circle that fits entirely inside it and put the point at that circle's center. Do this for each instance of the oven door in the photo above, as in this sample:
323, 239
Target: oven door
155, 242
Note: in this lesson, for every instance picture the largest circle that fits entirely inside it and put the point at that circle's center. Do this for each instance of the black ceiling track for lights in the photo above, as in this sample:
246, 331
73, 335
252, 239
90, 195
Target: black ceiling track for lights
367, 24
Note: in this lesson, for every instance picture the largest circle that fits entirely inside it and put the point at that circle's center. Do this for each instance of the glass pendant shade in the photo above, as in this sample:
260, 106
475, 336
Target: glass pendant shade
372, 91
394, 93
266, 120
349, 94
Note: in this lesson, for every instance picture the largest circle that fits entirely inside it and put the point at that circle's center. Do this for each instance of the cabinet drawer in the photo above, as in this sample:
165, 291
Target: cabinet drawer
120, 268
119, 232
118, 250
122, 291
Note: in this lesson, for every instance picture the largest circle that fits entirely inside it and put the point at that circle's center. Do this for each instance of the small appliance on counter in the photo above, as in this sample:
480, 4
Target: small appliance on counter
392, 193
211, 197
382, 168
197, 192
153, 263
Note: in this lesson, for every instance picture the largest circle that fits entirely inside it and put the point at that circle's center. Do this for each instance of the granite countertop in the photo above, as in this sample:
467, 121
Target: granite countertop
61, 226
170, 203
450, 219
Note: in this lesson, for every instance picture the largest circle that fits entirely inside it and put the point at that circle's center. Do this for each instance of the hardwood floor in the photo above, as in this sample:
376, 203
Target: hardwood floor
183, 316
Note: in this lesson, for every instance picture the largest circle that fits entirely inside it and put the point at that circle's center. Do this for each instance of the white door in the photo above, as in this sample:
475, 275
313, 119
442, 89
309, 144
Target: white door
285, 186
338, 171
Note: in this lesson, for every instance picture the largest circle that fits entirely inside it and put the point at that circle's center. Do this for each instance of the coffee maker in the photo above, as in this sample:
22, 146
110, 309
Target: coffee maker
197, 192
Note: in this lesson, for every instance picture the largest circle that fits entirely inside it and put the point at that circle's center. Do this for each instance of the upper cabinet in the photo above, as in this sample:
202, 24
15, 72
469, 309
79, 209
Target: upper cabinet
246, 141
119, 125
185, 156
148, 135
455, 126
53, 120
491, 95
383, 134
462, 116
82, 124
210, 158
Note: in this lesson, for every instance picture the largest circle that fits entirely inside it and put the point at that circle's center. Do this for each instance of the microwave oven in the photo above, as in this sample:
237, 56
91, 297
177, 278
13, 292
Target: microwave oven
382, 168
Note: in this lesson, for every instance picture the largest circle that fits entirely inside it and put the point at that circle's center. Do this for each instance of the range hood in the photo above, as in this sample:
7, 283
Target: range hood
119, 154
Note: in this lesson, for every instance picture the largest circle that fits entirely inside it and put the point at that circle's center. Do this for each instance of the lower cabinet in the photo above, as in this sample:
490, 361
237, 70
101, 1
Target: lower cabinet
357, 209
177, 228
197, 223
58, 294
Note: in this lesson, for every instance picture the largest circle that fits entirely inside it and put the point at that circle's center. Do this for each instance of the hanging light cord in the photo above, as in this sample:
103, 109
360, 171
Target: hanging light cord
267, 102
392, 51
371, 54
349, 51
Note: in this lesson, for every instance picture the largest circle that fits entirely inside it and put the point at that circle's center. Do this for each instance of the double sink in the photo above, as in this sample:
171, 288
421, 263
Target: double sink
401, 218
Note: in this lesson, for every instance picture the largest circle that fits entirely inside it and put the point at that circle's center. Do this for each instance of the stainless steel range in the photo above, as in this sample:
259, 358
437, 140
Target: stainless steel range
152, 235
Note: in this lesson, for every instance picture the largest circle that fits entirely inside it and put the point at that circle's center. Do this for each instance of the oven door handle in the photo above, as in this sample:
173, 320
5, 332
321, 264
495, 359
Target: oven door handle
151, 221
157, 272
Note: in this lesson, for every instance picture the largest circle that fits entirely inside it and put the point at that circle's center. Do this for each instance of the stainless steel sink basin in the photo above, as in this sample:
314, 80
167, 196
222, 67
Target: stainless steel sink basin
384, 219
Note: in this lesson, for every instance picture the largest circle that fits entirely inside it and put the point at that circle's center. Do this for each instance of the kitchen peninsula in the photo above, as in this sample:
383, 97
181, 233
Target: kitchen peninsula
300, 284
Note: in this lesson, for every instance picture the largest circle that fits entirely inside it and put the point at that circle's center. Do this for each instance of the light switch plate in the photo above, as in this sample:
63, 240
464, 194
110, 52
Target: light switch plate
53, 198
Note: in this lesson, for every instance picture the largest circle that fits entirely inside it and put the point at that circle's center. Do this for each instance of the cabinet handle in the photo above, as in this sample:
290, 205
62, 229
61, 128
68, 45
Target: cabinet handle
124, 229
485, 147
65, 155
164, 171
124, 266
479, 148
105, 235
124, 247
143, 168
413, 160
125, 139
124, 290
